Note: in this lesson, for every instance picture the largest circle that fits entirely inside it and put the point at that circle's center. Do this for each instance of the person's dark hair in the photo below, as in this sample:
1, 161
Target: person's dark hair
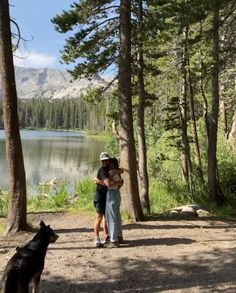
114, 162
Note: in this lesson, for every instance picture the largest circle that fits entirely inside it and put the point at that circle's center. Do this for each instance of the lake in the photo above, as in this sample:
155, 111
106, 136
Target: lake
67, 156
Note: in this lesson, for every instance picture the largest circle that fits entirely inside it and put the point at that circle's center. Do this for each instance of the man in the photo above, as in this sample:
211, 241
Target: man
100, 199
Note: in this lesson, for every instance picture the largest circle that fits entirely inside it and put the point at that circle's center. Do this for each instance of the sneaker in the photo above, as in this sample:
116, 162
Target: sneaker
107, 240
112, 244
98, 242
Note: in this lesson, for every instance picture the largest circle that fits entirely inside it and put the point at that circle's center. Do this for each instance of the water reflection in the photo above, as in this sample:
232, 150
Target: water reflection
67, 156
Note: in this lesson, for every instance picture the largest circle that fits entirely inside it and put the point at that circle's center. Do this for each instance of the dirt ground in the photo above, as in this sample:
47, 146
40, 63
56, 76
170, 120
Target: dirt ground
159, 256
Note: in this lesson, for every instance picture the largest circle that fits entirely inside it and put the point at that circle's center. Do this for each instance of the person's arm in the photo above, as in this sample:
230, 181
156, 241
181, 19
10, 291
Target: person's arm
99, 181
107, 180
110, 183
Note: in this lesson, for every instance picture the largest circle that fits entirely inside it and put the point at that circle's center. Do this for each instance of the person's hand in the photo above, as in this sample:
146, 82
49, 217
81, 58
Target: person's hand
113, 172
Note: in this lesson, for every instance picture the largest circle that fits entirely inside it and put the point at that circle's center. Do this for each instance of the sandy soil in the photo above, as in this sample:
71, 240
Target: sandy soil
159, 256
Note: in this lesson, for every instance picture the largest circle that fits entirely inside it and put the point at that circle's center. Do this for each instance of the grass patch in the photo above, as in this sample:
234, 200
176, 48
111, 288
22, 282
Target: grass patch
48, 199
164, 197
84, 192
101, 136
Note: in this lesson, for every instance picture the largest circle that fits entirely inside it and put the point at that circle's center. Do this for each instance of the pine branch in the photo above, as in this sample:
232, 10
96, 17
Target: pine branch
110, 84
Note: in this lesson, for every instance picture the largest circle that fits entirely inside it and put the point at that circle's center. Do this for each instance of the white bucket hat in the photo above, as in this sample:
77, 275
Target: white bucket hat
104, 156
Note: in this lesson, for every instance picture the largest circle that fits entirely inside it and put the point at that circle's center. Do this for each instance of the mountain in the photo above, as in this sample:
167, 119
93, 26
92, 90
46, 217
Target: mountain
51, 83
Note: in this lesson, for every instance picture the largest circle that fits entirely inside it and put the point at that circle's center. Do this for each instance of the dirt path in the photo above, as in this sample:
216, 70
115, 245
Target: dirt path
159, 256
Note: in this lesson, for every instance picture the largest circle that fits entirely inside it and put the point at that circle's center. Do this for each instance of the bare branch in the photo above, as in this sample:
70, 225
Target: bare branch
109, 84
19, 35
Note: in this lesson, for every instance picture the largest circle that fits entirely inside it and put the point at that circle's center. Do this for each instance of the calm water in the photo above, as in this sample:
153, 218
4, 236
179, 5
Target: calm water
67, 156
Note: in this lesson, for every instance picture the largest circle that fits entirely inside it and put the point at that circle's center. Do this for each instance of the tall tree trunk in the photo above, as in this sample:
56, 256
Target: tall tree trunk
185, 151
194, 126
201, 84
16, 220
205, 108
184, 142
142, 149
126, 133
213, 182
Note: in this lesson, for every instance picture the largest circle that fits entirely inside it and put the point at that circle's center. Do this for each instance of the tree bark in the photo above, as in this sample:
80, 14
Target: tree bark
126, 134
16, 219
184, 142
214, 189
185, 148
201, 84
194, 127
142, 149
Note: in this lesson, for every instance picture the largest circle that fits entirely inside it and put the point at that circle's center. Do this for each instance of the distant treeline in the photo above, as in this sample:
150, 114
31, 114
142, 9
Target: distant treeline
59, 114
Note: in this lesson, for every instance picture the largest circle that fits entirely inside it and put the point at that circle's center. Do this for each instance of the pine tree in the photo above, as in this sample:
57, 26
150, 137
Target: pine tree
99, 43
16, 218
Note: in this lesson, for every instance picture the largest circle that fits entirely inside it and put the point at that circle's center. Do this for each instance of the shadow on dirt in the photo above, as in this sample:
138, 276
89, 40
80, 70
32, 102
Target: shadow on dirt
159, 241
182, 225
159, 225
74, 230
210, 219
133, 243
207, 272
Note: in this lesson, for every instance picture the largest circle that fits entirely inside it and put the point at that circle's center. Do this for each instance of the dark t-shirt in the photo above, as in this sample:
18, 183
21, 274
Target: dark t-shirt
101, 191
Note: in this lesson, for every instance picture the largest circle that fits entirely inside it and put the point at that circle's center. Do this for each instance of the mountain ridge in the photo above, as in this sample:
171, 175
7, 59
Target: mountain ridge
52, 83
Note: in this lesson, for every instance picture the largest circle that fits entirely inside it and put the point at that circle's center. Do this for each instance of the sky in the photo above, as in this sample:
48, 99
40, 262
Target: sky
44, 45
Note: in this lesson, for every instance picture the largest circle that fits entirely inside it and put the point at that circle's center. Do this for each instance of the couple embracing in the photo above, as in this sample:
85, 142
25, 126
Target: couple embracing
107, 202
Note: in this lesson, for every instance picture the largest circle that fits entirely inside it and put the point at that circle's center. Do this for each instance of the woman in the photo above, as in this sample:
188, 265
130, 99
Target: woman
113, 217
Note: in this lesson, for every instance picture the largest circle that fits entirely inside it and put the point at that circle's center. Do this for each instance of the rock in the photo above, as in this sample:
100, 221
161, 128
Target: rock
203, 213
191, 210
188, 211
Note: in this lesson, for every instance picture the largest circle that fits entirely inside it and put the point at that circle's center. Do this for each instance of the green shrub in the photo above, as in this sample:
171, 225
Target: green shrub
227, 168
112, 146
163, 196
61, 198
3, 203
48, 198
85, 191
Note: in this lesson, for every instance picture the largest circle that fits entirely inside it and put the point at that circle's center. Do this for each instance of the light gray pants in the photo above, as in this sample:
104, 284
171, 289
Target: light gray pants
113, 214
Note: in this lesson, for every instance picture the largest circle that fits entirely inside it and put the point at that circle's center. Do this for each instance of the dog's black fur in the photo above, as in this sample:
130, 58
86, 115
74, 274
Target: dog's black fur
27, 263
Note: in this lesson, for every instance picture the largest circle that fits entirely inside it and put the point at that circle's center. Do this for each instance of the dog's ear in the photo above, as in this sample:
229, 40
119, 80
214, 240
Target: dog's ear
42, 224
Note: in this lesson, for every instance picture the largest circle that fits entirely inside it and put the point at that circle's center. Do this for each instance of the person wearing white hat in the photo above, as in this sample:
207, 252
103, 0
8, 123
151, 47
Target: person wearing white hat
100, 199
113, 181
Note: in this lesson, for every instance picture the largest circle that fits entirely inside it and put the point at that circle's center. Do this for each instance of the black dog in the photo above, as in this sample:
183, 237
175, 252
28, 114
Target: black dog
27, 263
